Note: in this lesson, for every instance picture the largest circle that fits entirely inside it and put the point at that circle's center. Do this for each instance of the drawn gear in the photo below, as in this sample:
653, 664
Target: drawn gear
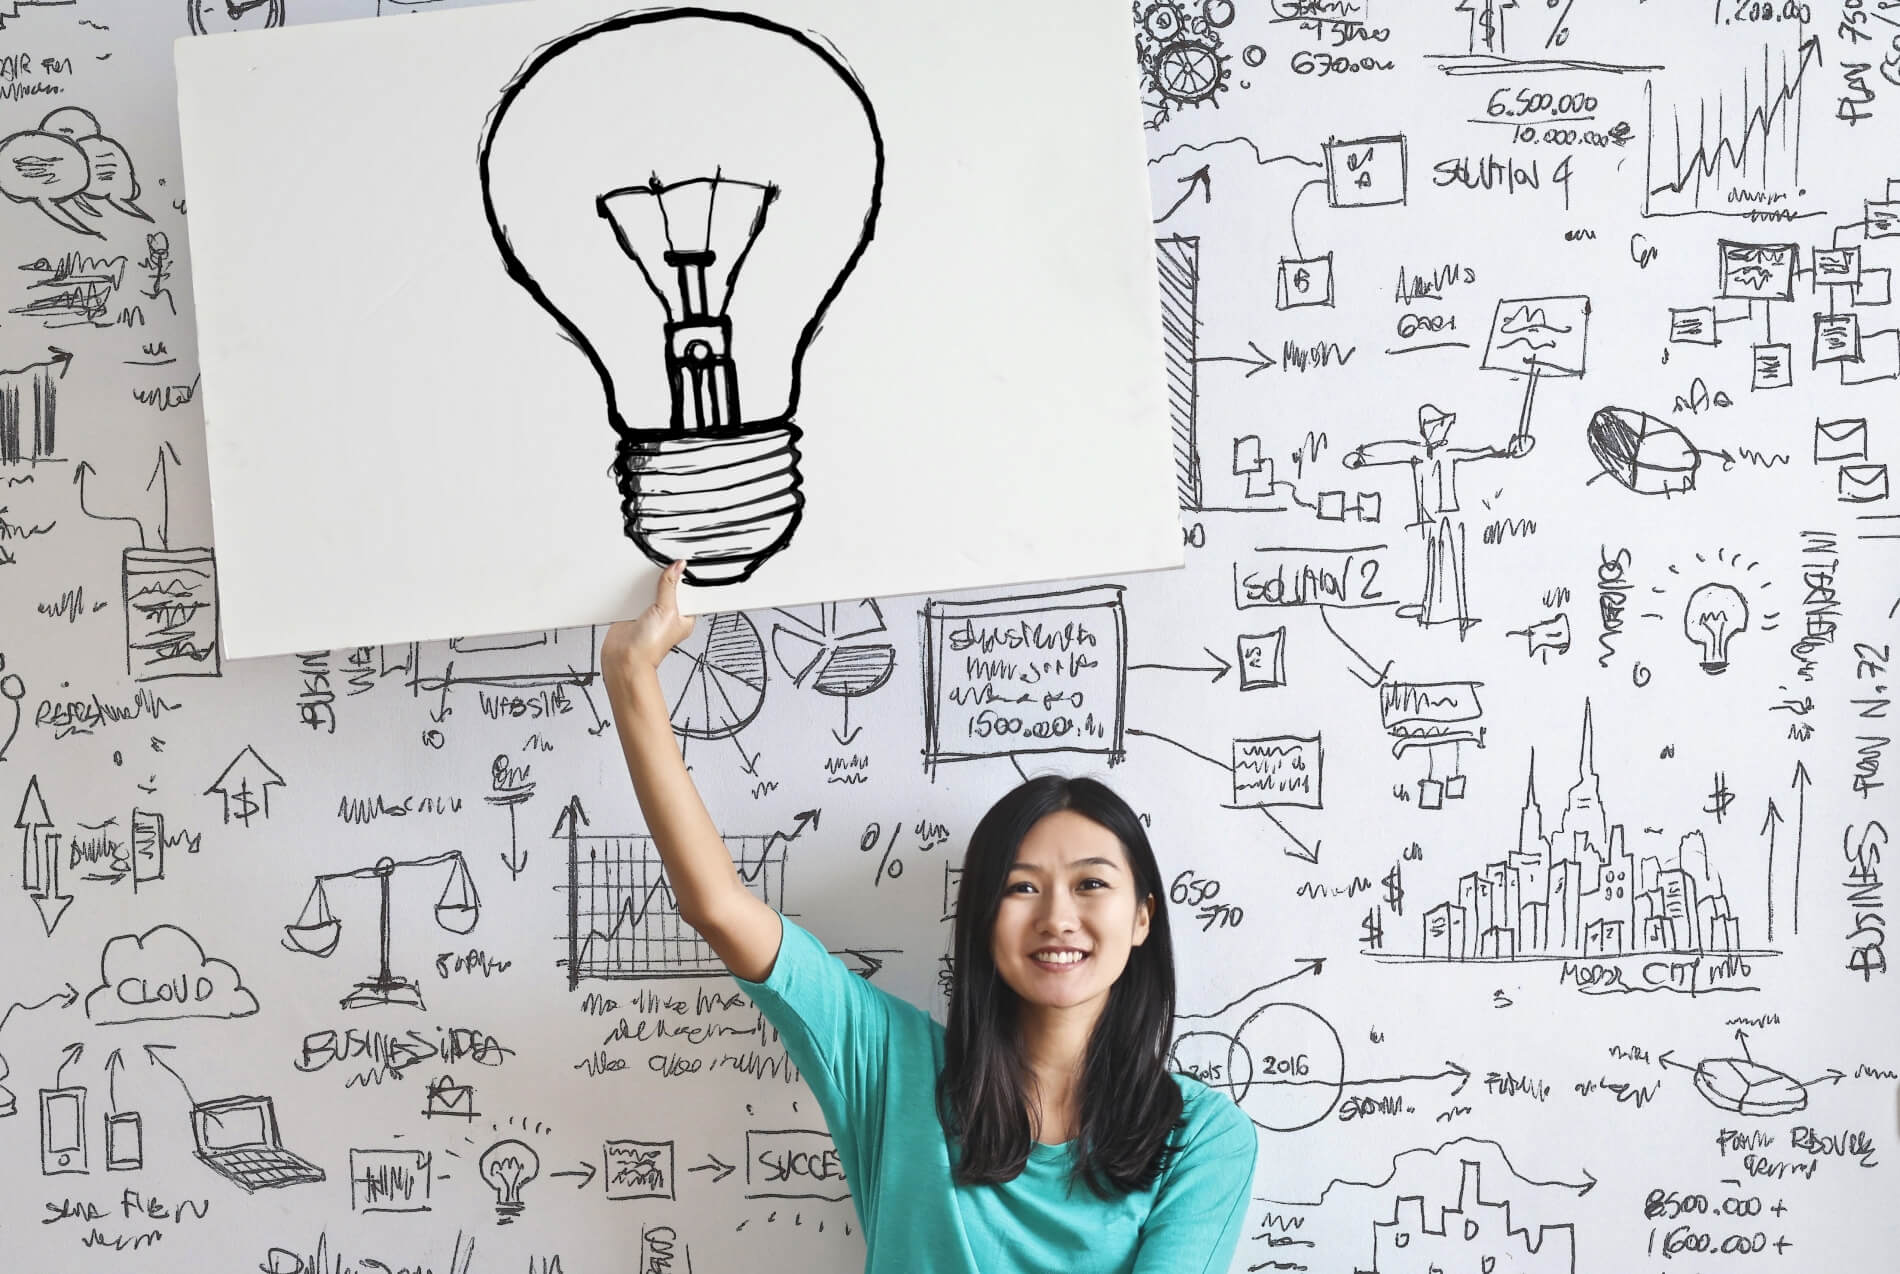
1190, 72
1163, 20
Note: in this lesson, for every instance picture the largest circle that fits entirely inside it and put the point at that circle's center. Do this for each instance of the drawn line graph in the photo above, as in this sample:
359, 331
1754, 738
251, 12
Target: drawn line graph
1730, 157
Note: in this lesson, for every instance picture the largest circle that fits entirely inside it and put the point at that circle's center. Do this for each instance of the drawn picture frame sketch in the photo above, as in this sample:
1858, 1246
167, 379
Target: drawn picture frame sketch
724, 236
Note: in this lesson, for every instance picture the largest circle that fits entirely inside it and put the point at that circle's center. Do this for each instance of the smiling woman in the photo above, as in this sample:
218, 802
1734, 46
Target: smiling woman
1040, 1131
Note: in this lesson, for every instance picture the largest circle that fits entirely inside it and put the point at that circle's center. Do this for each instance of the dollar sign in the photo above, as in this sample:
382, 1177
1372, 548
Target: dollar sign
1373, 930
245, 805
1394, 890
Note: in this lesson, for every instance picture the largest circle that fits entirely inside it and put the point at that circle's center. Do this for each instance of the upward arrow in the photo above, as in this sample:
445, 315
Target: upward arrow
164, 493
1800, 784
1199, 177
79, 480
1768, 826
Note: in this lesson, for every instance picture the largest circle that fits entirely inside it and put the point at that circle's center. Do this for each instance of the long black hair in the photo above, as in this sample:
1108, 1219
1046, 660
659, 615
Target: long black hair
1130, 1104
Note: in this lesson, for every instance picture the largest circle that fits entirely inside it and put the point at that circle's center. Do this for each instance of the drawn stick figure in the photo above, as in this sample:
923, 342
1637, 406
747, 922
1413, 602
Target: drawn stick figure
1434, 464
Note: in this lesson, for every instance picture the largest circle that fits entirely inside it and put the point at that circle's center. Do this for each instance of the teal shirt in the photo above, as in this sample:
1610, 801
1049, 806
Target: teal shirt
872, 1061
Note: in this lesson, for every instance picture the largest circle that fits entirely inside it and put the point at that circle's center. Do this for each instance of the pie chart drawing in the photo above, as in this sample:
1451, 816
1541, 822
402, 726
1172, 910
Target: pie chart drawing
1749, 1088
817, 646
715, 679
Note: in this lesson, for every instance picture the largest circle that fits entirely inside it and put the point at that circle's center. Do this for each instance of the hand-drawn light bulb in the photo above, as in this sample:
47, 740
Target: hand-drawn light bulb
685, 193
507, 1166
1714, 615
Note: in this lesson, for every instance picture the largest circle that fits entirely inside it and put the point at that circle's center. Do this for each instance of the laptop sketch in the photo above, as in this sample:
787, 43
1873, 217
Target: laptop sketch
237, 1137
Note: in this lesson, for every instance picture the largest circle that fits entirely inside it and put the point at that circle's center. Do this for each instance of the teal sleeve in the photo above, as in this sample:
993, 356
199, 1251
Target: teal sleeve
1194, 1227
834, 1026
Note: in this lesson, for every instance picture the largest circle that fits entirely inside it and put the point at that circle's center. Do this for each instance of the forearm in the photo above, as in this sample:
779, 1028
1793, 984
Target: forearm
698, 866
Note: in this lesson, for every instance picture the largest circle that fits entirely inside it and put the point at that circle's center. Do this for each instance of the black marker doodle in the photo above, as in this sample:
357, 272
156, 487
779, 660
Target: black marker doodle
213, 17
446, 1098
638, 1169
788, 193
161, 975
317, 929
13, 693
237, 1138
1178, 48
508, 1166
390, 1180
29, 401
40, 857
66, 999
245, 786
1434, 463
68, 168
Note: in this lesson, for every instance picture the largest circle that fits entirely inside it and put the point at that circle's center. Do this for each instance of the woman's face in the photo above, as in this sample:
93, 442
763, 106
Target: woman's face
1068, 917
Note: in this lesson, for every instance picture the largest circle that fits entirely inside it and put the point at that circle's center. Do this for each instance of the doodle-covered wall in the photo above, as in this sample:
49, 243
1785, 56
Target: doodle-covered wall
1516, 740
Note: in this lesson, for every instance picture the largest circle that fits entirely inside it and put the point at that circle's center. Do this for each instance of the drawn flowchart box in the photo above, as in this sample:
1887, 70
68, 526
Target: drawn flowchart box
793, 1163
1262, 659
1757, 271
1304, 281
1883, 218
1282, 770
1773, 366
1309, 577
1693, 326
1836, 265
1836, 338
1365, 172
1036, 673
639, 1169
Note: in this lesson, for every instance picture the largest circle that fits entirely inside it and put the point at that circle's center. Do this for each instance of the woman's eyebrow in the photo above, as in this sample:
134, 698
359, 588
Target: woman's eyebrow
1080, 862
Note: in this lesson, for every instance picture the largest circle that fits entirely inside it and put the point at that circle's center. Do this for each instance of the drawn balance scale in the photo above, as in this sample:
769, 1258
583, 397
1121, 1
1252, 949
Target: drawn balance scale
317, 930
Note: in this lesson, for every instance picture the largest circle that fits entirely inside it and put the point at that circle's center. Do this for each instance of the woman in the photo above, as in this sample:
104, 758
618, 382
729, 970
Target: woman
1040, 1131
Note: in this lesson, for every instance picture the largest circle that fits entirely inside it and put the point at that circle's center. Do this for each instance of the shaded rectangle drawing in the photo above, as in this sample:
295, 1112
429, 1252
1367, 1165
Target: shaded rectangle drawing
1178, 263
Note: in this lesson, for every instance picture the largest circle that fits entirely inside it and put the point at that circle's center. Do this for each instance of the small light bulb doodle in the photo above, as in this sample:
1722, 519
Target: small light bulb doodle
1713, 617
507, 1166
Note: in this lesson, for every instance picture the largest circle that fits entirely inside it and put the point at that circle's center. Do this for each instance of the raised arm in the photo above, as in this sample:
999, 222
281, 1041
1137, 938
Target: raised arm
739, 926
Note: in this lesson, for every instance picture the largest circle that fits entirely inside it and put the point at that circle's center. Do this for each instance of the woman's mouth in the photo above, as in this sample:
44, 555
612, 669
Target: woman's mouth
1059, 960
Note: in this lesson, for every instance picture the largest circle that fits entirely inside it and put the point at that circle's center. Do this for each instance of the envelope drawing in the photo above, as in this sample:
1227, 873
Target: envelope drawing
446, 1097
1863, 483
1836, 440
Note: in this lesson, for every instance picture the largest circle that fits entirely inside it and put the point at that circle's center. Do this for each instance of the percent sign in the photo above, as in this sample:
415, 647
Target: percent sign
886, 864
1560, 32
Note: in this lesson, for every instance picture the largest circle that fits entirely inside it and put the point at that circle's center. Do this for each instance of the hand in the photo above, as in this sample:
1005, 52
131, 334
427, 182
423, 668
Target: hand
641, 643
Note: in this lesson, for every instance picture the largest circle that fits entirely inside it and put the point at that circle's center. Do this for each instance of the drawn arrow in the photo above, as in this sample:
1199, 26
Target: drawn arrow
714, 1164
1768, 825
1833, 1076
585, 1172
114, 1064
1308, 965
1451, 1068
1304, 854
39, 863
73, 1053
1741, 1037
69, 997
801, 821
1220, 669
845, 736
862, 963
1260, 362
516, 859
151, 1053
1800, 784
79, 479
160, 476
571, 819
246, 768
1198, 177
1669, 1053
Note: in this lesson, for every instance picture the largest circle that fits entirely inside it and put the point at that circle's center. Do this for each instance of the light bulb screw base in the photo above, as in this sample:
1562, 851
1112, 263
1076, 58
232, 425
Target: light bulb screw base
724, 499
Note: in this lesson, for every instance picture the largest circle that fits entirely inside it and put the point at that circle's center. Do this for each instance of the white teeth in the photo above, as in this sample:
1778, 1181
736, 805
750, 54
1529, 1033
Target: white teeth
1066, 958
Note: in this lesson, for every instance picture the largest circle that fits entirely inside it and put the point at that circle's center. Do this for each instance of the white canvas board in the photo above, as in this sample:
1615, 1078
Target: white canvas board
405, 441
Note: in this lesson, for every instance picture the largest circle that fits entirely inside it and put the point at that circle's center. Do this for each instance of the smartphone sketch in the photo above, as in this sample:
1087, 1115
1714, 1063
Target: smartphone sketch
125, 1141
62, 1130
